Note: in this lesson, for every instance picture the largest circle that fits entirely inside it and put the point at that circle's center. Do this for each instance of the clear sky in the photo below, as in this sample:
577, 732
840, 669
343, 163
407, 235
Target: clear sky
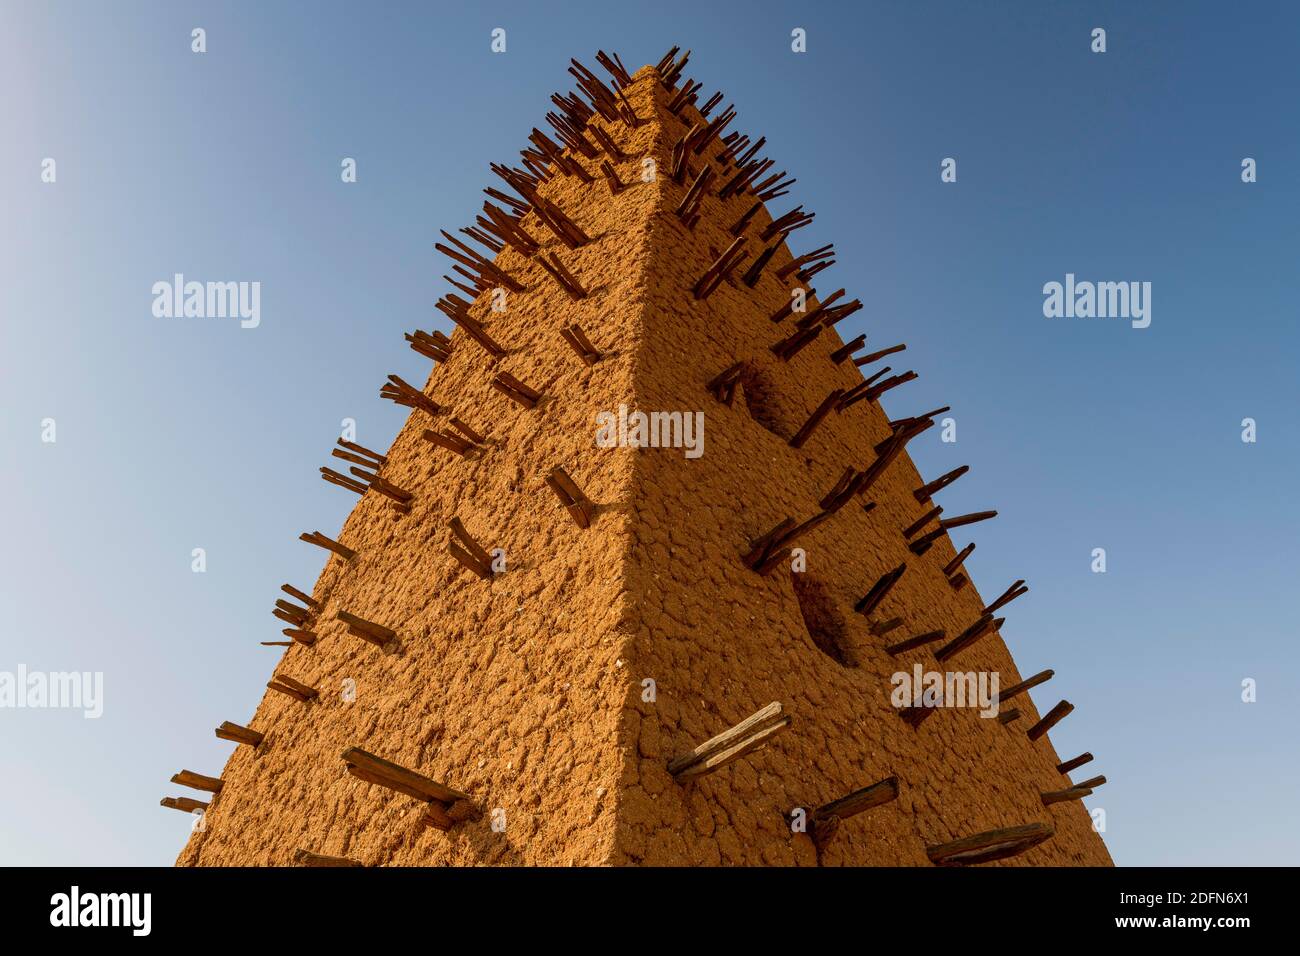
178, 434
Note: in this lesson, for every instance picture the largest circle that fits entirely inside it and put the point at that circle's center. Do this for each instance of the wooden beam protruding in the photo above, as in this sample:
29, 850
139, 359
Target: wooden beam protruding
752, 732
240, 734
1016, 690
376, 634
184, 804
446, 806
468, 551
1067, 765
826, 819
1054, 717
571, 496
197, 781
989, 846
307, 858
329, 544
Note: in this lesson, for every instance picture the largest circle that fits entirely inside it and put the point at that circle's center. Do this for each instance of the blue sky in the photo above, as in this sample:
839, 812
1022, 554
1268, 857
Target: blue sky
176, 434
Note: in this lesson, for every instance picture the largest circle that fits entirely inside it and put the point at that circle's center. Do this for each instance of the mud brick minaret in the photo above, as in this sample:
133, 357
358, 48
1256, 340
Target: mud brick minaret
528, 649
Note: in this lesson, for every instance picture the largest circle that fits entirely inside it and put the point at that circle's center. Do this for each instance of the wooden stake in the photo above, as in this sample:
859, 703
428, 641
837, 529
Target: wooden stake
1054, 717
1010, 594
329, 544
376, 634
239, 734
516, 390
292, 688
401, 393
871, 600
969, 636
926, 491
469, 552
1015, 690
298, 635
1009, 716
721, 266
723, 385
826, 819
752, 732
989, 846
579, 342
571, 496
921, 640
949, 523
552, 264
921, 522
955, 563
307, 858
819, 413
1063, 767
302, 596
197, 781
184, 804
840, 354
1060, 796
446, 806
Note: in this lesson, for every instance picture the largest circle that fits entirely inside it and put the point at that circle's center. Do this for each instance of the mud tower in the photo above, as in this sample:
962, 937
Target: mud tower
543, 637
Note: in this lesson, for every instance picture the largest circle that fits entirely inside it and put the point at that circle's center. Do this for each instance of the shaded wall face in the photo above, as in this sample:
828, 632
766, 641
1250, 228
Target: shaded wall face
721, 641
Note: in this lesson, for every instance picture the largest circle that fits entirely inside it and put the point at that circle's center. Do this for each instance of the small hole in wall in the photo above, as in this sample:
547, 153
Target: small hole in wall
822, 618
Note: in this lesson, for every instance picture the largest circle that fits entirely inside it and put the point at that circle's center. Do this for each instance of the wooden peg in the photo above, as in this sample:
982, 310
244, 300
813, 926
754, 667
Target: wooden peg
826, 819
1063, 767
239, 734
950, 523
955, 563
958, 582
293, 688
307, 858
1010, 594
752, 732
376, 634
921, 522
723, 385
469, 552
329, 544
921, 640
926, 491
1015, 690
989, 846
840, 354
819, 414
516, 390
552, 264
398, 391
197, 781
298, 635
1054, 717
579, 342
720, 268
184, 804
1060, 796
571, 496
984, 625
871, 600
1009, 716
446, 806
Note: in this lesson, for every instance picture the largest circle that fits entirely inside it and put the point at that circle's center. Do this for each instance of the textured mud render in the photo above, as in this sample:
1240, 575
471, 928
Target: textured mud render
526, 691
